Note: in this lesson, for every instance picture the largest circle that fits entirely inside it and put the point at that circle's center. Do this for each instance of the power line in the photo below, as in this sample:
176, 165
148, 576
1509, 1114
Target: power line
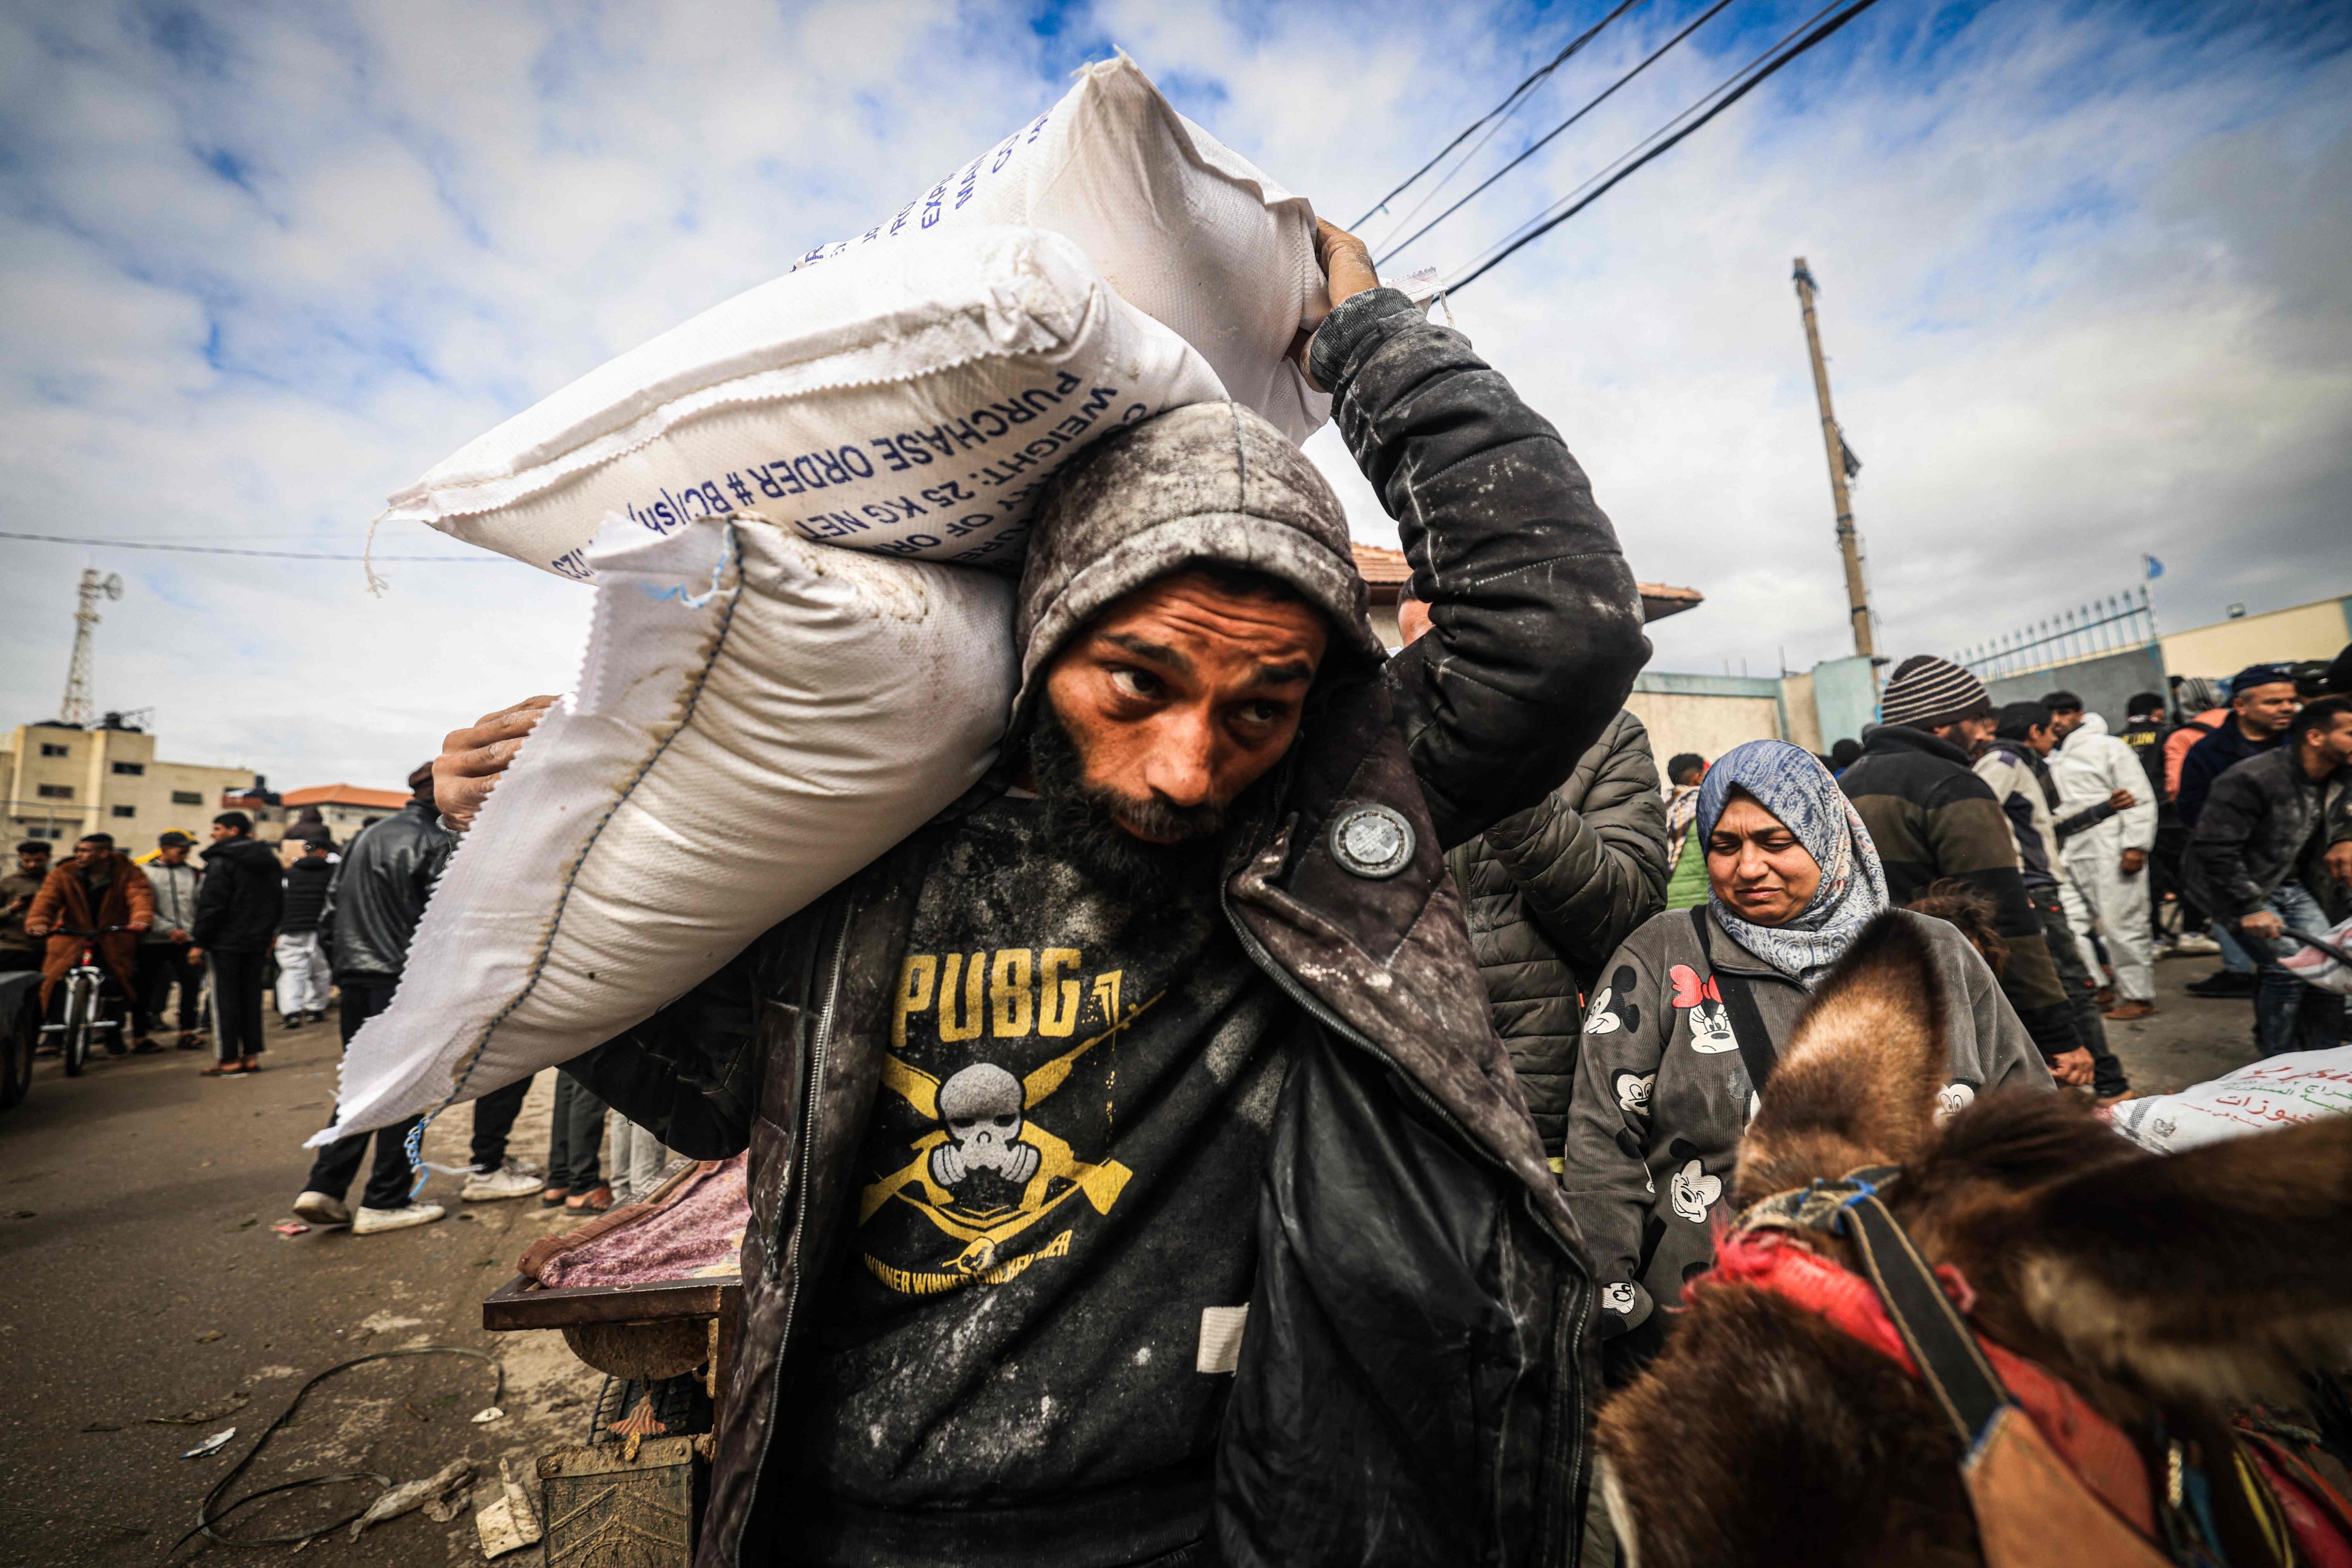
1517, 93
1546, 139
216, 549
1811, 39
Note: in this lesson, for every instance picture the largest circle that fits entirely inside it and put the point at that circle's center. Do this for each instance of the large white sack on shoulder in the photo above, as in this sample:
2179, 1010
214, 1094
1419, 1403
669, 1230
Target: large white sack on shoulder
914, 405
2284, 1090
756, 717
1184, 228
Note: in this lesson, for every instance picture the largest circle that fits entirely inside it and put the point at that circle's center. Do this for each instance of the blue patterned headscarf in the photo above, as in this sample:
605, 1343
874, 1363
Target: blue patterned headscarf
1791, 783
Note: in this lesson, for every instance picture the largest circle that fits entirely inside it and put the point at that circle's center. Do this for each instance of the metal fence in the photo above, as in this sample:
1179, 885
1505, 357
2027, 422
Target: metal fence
2122, 621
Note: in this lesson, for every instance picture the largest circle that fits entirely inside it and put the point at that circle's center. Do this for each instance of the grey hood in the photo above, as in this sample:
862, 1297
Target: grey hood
1213, 482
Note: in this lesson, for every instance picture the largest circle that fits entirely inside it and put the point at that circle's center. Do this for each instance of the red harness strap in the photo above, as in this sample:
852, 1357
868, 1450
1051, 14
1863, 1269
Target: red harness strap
2101, 1456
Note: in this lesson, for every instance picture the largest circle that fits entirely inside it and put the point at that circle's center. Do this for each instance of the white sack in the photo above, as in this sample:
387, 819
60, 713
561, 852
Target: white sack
2313, 967
913, 404
2278, 1091
756, 717
1182, 226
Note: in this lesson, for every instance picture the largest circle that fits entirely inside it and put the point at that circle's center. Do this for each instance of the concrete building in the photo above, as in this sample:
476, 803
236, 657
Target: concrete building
2106, 653
2316, 631
345, 809
64, 781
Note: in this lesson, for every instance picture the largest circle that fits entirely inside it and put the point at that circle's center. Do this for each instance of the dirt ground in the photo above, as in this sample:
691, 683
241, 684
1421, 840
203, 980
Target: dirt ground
150, 1304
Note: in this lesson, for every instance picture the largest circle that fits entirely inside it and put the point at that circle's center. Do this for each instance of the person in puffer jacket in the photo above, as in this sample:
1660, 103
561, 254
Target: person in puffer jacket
1548, 894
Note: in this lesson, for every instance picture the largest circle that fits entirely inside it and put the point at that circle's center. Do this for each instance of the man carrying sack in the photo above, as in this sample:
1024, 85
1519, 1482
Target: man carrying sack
1135, 1175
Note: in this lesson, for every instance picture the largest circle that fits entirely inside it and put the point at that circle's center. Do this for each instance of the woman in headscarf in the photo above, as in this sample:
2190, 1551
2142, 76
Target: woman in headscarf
1669, 1070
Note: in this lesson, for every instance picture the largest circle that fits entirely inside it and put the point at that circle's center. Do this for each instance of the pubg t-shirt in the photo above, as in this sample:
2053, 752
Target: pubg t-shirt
1060, 1175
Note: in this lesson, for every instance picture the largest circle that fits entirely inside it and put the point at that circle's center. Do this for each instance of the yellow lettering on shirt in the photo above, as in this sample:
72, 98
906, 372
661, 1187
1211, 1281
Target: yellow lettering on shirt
917, 975
1058, 998
968, 1029
1008, 993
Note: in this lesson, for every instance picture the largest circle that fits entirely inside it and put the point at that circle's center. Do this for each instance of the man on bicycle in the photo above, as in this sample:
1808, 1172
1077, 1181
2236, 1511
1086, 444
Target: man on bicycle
101, 891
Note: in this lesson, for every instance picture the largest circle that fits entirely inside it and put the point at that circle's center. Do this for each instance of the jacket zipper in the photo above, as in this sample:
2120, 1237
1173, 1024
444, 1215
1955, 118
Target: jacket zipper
1572, 1528
1573, 1523
819, 1037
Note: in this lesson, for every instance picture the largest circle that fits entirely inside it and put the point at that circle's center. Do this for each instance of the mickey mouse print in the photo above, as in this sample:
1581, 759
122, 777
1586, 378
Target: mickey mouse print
1663, 1094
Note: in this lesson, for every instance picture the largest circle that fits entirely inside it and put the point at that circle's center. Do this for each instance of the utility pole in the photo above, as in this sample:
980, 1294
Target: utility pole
76, 709
1849, 545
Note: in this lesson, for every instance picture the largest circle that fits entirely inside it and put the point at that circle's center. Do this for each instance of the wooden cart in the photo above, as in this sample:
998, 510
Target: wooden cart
630, 1503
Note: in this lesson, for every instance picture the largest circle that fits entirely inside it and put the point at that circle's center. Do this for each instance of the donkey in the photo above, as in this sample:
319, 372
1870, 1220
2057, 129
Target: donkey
2128, 1300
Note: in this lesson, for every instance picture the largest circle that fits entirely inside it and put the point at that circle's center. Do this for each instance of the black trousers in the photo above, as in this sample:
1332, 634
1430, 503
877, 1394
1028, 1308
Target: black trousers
240, 981
2082, 989
162, 965
577, 1136
494, 1117
2164, 876
392, 1176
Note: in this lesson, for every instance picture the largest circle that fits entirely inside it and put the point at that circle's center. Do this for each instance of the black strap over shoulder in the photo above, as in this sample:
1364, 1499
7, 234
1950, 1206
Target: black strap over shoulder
1949, 1358
1957, 1372
1755, 1046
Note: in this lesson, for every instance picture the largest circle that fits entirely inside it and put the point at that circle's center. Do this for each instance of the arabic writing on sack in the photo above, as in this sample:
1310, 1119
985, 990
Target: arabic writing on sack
2264, 1096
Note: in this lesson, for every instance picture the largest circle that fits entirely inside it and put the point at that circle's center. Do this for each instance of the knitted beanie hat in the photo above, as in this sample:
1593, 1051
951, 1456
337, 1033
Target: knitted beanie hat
1926, 691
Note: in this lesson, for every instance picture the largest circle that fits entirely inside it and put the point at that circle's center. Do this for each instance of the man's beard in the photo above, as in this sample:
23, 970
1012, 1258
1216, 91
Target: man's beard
1083, 822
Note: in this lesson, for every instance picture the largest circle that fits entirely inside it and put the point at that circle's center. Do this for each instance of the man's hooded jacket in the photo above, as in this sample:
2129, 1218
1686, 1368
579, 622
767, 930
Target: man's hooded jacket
242, 895
1416, 1378
66, 905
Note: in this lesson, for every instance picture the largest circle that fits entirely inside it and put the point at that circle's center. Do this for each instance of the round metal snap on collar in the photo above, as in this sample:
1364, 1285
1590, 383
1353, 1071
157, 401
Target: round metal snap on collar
1372, 841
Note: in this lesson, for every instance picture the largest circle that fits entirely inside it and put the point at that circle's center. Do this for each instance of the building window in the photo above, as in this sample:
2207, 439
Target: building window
56, 749
130, 770
55, 792
126, 811
187, 798
45, 833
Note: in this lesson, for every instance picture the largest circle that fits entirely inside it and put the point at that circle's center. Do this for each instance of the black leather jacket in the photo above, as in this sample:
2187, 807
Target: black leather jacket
379, 892
1416, 1382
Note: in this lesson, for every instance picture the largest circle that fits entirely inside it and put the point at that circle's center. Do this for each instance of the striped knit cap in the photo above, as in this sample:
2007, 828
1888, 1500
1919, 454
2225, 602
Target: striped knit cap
1926, 691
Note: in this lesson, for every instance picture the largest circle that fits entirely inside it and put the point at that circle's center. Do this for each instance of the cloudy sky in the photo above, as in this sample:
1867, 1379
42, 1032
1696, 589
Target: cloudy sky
2085, 292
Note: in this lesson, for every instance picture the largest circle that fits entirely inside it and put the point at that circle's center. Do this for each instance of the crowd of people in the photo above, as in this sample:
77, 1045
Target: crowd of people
313, 928
1394, 1002
1220, 803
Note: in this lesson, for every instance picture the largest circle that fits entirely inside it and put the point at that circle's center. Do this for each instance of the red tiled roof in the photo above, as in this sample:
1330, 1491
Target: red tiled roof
1386, 570
346, 794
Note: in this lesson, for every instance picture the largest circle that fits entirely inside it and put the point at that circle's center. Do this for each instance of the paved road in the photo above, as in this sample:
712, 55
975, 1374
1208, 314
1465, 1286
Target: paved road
143, 1280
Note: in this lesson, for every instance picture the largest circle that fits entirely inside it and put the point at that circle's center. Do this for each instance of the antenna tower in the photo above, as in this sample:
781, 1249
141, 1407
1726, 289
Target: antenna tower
76, 709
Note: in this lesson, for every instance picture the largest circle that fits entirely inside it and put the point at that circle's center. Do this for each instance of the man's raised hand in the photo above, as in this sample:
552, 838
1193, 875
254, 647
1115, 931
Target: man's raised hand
1347, 272
472, 759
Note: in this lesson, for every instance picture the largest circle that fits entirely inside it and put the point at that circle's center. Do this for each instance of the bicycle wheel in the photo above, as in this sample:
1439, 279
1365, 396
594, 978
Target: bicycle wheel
23, 1032
79, 1010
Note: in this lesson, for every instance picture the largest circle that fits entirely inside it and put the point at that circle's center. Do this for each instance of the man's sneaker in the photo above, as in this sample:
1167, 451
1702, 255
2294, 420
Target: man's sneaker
2194, 944
2221, 983
2129, 1009
369, 1221
321, 1209
295, 1022
509, 1181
